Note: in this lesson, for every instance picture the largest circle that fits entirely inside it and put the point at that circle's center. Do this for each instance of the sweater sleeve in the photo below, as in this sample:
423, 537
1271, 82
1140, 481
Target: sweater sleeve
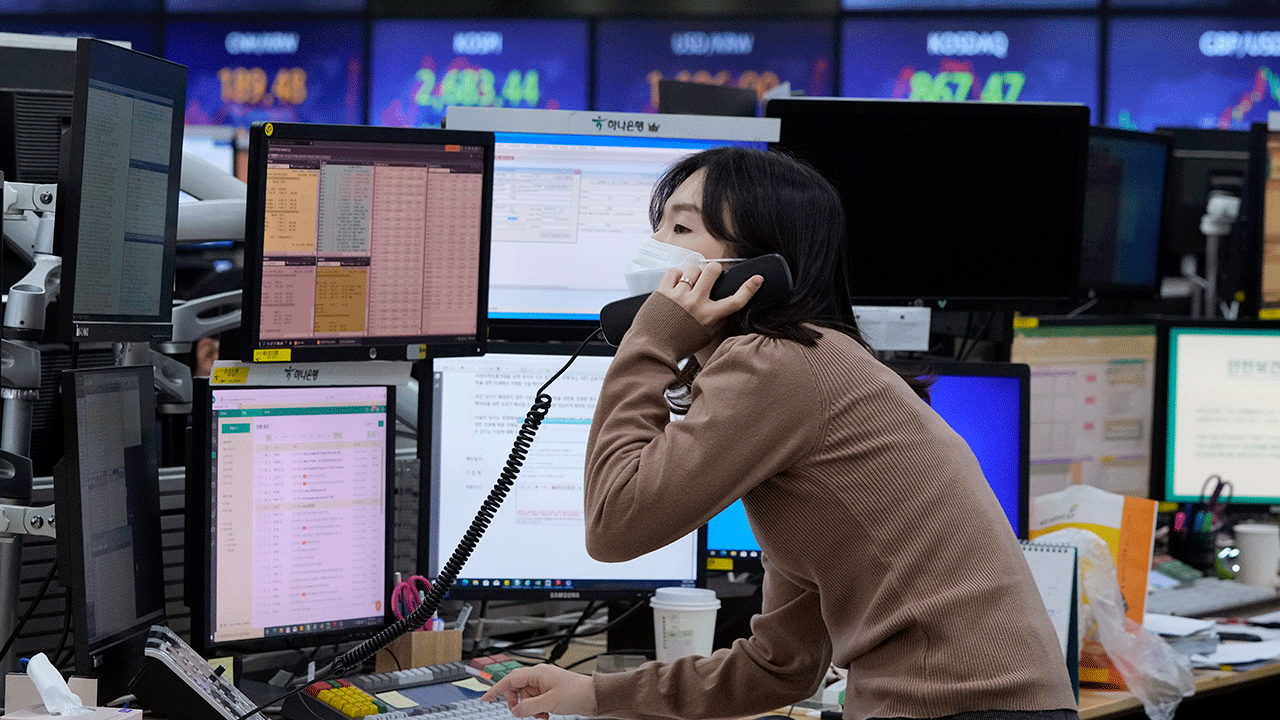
650, 481
782, 662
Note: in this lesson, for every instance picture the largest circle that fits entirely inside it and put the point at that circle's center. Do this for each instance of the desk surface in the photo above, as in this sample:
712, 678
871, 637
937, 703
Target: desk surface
1104, 704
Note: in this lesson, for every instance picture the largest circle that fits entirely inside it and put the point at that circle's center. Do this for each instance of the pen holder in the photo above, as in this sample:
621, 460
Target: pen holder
420, 648
1199, 548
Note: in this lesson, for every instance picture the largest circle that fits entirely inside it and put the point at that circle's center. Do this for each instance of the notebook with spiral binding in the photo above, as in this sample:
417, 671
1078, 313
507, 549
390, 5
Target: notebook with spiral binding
1054, 570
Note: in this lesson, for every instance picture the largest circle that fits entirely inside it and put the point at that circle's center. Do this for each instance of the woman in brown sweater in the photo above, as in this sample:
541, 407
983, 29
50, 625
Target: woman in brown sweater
885, 551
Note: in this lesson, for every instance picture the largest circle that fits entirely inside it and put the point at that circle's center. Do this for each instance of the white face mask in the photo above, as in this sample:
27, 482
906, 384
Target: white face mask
654, 258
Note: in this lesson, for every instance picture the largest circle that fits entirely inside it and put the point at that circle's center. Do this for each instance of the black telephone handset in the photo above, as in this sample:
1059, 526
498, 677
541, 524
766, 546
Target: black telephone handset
616, 317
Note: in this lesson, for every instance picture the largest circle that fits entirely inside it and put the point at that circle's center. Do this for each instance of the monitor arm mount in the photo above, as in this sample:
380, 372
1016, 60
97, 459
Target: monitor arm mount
1220, 214
28, 229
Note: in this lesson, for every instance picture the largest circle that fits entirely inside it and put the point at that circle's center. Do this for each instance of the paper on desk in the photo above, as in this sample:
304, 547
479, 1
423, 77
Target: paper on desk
1266, 617
1174, 626
1239, 653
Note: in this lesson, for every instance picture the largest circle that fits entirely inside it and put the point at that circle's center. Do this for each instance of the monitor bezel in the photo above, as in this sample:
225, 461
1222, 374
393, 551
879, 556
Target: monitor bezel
1160, 480
96, 58
1135, 291
429, 507
198, 583
851, 108
68, 499
362, 348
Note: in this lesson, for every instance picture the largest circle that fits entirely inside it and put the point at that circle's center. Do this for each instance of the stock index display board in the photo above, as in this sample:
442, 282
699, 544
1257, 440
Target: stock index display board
633, 55
242, 72
420, 67
1219, 73
991, 60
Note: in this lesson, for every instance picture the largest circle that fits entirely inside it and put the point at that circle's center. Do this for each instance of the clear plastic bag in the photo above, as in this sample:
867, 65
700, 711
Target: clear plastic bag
1155, 673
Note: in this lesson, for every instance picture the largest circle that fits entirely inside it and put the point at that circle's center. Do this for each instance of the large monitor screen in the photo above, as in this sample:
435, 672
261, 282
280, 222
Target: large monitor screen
571, 199
477, 406
985, 403
1191, 72
1124, 212
242, 72
1217, 410
366, 243
996, 59
211, 6
632, 56
421, 67
292, 514
80, 6
964, 4
117, 219
108, 501
936, 201
1092, 383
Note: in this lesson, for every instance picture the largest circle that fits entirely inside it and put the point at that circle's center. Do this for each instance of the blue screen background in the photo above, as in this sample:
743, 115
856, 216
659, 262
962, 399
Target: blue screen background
329, 53
406, 52
1056, 59
632, 55
1159, 75
985, 411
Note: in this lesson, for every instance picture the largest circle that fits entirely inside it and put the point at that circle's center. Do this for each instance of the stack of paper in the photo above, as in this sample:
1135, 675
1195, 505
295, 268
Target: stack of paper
1186, 635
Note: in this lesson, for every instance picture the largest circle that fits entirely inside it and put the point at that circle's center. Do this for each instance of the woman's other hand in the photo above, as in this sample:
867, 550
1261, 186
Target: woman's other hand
690, 287
543, 690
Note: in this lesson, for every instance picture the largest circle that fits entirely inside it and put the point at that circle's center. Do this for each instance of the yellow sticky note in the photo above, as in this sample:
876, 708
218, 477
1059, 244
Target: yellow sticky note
720, 564
472, 683
1269, 314
273, 355
1025, 323
396, 700
230, 376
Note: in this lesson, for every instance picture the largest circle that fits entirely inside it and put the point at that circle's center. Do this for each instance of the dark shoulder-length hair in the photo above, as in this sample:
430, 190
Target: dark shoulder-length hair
768, 202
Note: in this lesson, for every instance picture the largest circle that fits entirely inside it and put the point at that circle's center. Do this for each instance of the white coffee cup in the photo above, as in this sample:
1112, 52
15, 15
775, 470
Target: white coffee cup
1259, 557
684, 622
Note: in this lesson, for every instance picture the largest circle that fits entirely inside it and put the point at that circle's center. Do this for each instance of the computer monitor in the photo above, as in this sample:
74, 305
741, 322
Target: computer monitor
107, 494
366, 242
571, 201
1092, 384
1203, 161
36, 74
1217, 410
937, 198
679, 97
289, 515
117, 211
987, 404
1124, 213
477, 406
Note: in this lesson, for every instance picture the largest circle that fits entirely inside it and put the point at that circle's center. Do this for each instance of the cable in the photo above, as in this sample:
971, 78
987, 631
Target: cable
13, 636
563, 645
355, 657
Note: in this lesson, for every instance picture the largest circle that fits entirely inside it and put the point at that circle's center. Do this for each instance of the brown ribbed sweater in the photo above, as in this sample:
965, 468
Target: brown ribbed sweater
885, 549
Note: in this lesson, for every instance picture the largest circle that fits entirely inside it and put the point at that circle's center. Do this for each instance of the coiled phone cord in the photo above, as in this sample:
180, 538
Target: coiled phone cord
356, 656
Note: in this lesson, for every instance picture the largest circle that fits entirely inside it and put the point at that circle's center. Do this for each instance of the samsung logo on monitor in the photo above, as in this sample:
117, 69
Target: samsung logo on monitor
1215, 43
264, 43
477, 43
720, 43
968, 43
